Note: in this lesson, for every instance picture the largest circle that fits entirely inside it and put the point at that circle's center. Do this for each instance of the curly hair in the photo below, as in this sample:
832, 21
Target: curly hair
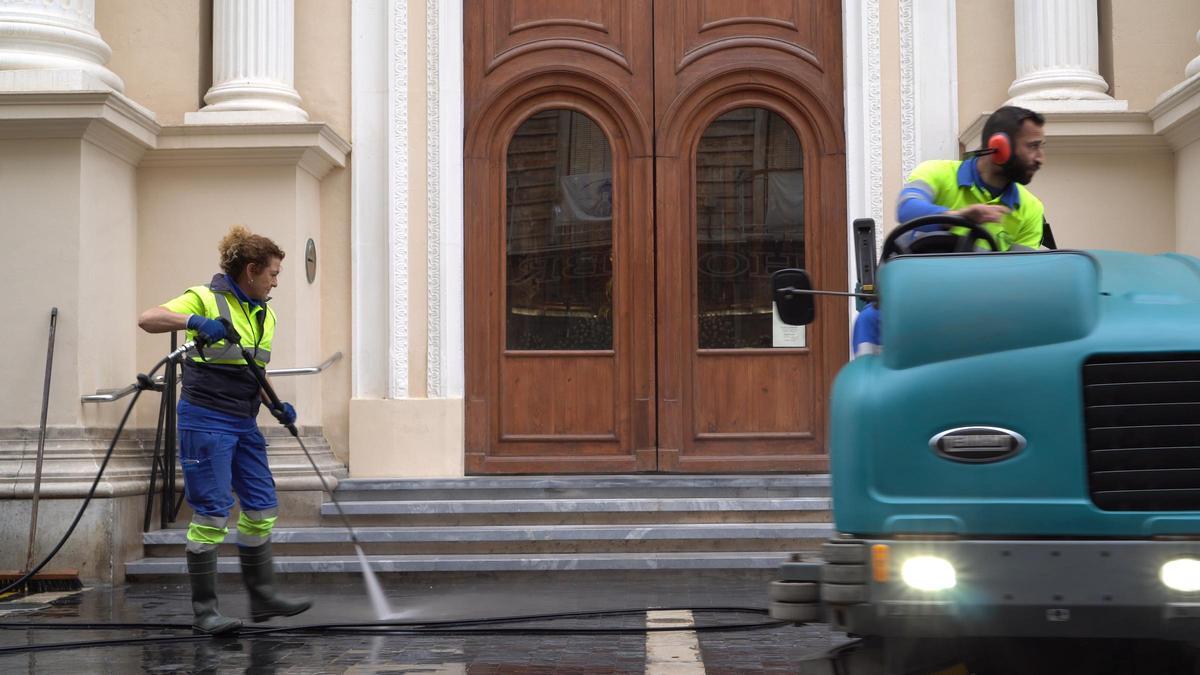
240, 247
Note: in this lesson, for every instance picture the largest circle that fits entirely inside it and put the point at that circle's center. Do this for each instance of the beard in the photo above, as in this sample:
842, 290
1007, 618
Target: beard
1017, 171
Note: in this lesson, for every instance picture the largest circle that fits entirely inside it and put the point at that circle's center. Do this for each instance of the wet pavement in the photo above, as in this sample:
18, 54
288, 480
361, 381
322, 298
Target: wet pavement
425, 599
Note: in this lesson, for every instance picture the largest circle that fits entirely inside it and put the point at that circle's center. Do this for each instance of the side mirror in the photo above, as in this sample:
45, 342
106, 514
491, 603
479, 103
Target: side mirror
795, 306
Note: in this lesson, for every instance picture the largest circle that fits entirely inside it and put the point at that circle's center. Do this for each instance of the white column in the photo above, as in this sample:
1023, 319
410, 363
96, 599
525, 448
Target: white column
55, 35
253, 53
928, 82
1058, 56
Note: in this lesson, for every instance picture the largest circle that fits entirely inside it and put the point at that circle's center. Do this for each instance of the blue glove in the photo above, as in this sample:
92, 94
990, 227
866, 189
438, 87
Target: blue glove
286, 415
209, 329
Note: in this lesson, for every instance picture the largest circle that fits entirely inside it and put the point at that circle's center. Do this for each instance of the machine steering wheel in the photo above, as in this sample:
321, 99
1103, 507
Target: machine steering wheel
944, 241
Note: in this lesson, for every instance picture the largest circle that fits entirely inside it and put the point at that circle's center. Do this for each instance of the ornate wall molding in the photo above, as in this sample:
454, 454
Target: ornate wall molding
864, 123
864, 116
397, 195
433, 276
909, 121
874, 131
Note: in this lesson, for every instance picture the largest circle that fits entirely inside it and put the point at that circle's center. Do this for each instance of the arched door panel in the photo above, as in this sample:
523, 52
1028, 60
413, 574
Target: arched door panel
635, 169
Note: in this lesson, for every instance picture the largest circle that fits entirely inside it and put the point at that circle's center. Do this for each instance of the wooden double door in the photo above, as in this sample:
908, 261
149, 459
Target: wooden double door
635, 171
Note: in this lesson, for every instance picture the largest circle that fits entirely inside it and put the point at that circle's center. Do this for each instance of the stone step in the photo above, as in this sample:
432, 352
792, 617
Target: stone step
713, 537
548, 487
728, 505
734, 560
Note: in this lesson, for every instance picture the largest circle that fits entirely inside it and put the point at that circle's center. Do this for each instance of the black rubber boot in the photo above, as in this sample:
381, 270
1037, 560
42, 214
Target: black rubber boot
258, 571
202, 572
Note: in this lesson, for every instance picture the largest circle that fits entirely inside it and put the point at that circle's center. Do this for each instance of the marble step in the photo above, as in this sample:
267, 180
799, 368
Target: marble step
735, 560
367, 535
547, 487
723, 505
713, 537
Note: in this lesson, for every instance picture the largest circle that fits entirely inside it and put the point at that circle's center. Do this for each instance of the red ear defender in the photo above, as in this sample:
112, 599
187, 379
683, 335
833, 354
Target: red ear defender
999, 147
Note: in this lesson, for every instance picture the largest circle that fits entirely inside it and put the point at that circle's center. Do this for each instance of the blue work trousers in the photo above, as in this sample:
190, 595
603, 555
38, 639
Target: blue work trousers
216, 463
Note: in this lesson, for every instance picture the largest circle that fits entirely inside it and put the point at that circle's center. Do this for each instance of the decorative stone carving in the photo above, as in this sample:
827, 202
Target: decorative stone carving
253, 56
55, 35
398, 160
1058, 56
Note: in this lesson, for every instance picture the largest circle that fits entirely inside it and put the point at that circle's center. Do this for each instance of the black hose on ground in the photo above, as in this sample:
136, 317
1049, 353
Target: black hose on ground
456, 628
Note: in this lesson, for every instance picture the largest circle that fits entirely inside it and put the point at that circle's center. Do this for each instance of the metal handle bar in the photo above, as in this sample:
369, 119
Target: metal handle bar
109, 395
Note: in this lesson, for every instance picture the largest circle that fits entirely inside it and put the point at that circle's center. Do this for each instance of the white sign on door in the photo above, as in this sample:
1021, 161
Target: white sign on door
783, 335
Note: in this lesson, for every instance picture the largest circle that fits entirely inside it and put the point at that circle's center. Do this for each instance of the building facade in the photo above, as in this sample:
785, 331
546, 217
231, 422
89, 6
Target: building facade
542, 233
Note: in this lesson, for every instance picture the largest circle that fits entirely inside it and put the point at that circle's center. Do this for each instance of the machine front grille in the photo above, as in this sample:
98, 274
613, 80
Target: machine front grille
1142, 413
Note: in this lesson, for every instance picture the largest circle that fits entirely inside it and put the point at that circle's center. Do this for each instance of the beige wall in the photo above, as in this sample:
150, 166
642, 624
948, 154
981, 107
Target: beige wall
1151, 43
407, 437
986, 56
323, 81
69, 230
1138, 212
162, 49
107, 280
322, 71
40, 194
1187, 199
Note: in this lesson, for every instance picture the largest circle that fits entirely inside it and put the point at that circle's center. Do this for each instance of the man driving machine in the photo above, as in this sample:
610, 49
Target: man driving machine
986, 189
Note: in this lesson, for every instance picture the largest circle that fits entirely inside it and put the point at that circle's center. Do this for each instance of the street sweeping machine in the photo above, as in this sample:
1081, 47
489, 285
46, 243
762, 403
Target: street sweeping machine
1021, 459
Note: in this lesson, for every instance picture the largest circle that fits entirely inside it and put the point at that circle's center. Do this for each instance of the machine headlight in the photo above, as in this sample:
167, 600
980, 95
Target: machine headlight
928, 573
1182, 574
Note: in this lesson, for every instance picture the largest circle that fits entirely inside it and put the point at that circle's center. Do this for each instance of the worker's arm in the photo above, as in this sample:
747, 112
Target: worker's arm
184, 312
162, 320
172, 314
916, 199
919, 197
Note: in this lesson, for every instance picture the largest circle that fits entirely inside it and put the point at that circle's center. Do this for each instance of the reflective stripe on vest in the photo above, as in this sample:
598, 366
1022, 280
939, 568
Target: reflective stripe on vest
216, 303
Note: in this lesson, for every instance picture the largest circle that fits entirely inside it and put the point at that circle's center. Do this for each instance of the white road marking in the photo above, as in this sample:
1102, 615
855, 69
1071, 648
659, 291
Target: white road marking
672, 652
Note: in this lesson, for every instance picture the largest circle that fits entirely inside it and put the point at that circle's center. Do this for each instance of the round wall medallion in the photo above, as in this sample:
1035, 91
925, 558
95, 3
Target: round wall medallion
310, 260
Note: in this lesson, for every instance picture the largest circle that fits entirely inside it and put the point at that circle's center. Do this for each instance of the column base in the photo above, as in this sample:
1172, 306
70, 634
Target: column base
1063, 102
244, 117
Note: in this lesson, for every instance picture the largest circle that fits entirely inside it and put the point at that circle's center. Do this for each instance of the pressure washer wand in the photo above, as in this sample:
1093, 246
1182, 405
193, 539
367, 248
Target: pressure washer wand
276, 409
374, 589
